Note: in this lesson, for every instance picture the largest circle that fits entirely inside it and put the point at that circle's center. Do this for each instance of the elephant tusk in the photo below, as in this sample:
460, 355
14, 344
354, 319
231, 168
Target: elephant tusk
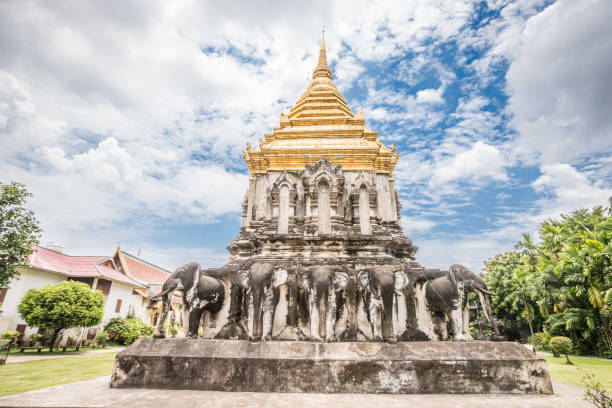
486, 292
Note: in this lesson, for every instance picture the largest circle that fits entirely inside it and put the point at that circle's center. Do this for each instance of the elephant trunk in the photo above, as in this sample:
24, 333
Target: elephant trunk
322, 294
483, 295
387, 292
257, 318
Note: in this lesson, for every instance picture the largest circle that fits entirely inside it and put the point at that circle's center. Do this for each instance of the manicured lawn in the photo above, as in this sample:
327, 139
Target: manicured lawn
32, 375
569, 374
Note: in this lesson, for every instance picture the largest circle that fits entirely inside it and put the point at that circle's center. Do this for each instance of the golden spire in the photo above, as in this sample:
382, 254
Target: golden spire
321, 124
322, 70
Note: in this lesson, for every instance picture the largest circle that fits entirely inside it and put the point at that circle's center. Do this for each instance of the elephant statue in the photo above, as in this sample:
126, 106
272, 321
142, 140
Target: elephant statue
201, 292
322, 286
447, 295
380, 288
260, 284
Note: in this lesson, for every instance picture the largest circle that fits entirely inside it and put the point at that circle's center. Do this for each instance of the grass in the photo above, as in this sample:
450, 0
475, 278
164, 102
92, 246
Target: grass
569, 374
16, 378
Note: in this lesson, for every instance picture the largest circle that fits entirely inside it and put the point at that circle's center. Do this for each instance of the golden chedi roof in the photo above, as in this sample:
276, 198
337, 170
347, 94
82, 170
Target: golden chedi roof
321, 125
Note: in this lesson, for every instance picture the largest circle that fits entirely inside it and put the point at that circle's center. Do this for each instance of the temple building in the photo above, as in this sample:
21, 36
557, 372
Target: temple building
321, 175
129, 284
320, 258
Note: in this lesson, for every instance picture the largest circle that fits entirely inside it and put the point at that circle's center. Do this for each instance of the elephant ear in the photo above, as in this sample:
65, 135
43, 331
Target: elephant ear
244, 278
341, 280
453, 277
401, 280
363, 280
303, 280
280, 277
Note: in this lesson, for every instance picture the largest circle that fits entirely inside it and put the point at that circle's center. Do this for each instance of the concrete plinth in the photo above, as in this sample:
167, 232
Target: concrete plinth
355, 367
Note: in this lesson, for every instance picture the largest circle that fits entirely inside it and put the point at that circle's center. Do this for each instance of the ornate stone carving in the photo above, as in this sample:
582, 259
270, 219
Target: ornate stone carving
323, 297
321, 253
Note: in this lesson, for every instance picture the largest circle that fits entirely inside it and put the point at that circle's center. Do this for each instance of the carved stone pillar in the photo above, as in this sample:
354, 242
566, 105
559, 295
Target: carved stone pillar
283, 210
324, 211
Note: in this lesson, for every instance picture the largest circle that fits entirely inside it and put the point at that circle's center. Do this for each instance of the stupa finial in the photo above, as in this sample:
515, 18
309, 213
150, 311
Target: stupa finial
322, 70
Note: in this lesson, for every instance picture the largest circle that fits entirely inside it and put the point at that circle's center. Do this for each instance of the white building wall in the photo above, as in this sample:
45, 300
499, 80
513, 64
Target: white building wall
123, 292
29, 279
35, 279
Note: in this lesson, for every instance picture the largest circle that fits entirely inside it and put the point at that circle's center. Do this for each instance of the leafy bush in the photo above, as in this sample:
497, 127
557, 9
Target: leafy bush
540, 341
36, 338
102, 339
125, 331
70, 342
561, 345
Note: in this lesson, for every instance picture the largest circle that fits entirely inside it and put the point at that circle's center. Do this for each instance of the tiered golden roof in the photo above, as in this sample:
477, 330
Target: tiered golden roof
321, 125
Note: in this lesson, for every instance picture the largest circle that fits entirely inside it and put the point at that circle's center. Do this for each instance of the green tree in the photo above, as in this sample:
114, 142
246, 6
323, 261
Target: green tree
512, 303
561, 345
18, 230
65, 305
563, 281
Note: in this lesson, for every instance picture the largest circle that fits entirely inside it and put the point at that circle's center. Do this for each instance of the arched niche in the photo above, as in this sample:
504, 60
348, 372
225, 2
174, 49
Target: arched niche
281, 198
364, 210
363, 196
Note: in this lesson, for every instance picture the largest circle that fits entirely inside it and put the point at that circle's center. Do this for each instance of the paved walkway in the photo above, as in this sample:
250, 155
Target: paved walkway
20, 358
96, 393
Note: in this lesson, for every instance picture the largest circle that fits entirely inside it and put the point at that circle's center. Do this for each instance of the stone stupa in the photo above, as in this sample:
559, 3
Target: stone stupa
322, 292
321, 186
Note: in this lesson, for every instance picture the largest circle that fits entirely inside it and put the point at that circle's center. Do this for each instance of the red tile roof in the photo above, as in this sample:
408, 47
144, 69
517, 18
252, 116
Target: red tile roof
77, 266
144, 271
117, 276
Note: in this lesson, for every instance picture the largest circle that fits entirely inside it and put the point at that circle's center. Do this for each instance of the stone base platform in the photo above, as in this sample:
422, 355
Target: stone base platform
356, 367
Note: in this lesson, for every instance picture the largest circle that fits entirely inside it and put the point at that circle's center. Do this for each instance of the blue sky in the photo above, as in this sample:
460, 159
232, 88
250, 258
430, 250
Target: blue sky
126, 120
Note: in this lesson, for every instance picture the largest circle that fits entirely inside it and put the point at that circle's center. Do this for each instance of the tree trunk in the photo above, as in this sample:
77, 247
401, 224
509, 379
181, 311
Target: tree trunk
55, 333
530, 328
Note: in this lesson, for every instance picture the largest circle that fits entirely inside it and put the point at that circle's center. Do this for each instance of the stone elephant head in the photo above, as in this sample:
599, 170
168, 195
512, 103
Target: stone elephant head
465, 279
201, 292
448, 295
323, 286
380, 287
261, 284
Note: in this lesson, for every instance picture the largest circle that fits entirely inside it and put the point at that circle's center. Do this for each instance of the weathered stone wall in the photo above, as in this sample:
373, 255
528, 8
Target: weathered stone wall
405, 368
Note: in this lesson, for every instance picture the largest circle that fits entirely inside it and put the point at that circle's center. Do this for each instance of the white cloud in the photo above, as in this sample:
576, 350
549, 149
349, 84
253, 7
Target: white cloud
417, 224
468, 250
568, 189
560, 84
433, 96
481, 161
